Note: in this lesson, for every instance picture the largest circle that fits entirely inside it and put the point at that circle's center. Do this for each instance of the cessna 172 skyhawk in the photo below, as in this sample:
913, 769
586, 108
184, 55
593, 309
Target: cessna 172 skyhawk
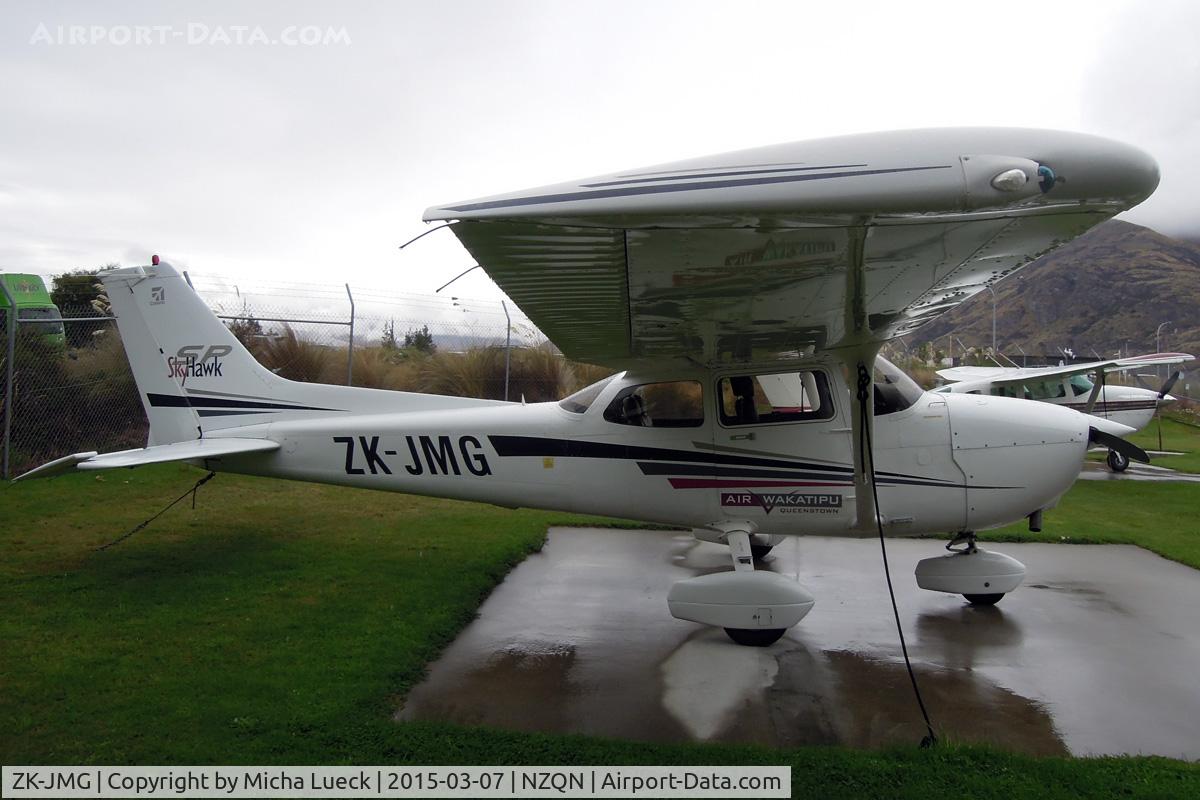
745, 297
1069, 386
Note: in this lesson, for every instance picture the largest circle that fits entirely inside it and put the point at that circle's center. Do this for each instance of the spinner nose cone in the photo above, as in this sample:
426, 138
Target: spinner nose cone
1108, 426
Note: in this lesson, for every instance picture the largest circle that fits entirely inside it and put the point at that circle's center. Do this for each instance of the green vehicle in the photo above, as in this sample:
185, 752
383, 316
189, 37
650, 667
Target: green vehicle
35, 311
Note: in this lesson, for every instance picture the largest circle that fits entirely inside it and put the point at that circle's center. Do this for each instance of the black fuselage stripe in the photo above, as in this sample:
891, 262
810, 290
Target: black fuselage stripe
578, 448
204, 412
695, 470
536, 446
176, 401
633, 191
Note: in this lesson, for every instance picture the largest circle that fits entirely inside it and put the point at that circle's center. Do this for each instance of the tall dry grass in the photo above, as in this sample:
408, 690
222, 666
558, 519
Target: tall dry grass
289, 356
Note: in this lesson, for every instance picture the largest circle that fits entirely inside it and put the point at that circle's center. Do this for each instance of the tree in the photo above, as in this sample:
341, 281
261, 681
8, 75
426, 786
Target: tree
80, 294
421, 340
388, 342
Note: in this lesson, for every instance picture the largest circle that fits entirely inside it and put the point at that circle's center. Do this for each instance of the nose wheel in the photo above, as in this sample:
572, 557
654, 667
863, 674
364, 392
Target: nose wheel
981, 576
1117, 462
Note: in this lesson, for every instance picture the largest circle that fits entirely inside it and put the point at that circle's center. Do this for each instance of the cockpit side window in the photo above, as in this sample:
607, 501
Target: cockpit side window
1045, 390
894, 390
670, 404
781, 397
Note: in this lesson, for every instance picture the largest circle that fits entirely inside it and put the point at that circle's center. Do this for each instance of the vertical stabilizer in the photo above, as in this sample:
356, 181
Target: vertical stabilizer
180, 352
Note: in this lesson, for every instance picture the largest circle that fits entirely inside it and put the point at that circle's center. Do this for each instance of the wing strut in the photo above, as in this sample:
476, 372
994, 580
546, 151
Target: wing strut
1097, 388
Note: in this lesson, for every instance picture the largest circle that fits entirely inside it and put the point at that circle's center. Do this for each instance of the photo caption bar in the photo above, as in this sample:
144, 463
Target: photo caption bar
484, 782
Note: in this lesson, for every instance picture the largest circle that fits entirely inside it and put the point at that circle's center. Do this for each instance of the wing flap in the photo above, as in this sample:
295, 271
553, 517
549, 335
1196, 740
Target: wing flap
157, 454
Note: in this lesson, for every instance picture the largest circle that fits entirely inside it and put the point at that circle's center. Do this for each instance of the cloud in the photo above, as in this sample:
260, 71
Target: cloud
1144, 87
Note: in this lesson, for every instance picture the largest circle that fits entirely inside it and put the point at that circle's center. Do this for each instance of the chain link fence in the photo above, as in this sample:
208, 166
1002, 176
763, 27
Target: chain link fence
67, 390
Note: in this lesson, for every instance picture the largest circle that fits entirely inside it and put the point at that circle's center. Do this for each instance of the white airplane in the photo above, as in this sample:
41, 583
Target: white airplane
745, 297
1069, 386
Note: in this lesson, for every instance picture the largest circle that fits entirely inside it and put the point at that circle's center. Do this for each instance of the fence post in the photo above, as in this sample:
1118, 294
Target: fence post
10, 319
350, 350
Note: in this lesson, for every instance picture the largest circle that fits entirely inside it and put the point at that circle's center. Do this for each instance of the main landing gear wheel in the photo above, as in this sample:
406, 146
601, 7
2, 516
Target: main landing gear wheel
754, 607
983, 599
756, 637
1117, 462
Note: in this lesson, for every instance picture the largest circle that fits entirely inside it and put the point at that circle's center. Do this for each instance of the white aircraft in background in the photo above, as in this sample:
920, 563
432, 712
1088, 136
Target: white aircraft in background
744, 297
1069, 386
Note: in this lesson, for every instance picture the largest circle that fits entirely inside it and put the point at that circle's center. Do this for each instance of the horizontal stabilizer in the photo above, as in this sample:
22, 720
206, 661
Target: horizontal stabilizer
177, 451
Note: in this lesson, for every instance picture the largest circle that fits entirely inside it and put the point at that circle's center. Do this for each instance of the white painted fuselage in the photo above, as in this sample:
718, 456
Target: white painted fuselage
1128, 405
944, 463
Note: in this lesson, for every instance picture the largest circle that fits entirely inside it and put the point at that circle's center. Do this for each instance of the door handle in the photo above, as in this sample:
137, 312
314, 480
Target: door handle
738, 436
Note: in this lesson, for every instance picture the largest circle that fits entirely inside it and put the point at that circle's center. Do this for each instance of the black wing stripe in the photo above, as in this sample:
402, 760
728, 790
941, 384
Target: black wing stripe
632, 191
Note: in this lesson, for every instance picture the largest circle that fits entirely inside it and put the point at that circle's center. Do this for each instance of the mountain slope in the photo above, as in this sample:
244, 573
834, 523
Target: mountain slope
1107, 290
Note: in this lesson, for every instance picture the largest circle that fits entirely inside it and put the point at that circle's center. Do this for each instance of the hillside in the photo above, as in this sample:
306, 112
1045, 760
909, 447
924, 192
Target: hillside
1107, 290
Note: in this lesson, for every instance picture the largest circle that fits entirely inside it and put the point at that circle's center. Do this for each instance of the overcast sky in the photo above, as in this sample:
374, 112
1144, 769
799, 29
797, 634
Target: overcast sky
312, 162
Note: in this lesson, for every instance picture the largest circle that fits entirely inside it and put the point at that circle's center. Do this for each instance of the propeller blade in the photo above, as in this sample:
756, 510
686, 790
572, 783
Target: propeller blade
1125, 448
1166, 387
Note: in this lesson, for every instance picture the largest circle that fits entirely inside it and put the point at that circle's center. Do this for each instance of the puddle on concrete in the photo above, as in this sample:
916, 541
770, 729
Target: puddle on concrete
578, 639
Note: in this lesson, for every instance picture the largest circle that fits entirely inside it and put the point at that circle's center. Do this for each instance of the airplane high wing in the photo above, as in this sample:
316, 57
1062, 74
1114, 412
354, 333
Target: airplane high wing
746, 297
1011, 376
794, 248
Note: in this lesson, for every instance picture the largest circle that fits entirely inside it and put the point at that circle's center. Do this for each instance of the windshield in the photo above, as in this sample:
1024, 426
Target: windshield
894, 390
582, 400
1080, 385
50, 313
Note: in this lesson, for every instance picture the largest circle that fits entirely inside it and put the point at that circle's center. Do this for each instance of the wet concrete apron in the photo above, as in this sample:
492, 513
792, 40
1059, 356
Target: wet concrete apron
1096, 653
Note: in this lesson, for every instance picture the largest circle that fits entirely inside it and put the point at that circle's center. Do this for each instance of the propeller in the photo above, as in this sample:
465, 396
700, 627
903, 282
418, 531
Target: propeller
1166, 387
1125, 448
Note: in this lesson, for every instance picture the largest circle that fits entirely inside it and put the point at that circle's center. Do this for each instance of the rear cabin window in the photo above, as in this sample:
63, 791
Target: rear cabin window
670, 404
781, 397
1080, 384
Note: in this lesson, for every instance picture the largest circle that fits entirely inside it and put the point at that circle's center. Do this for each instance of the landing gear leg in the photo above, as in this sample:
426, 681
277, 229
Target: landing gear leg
981, 576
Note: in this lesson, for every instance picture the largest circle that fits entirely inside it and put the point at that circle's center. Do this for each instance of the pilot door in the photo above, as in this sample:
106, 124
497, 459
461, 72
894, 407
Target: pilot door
781, 450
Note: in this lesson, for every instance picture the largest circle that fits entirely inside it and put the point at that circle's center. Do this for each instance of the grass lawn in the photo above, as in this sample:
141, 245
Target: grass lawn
1160, 517
281, 622
1177, 435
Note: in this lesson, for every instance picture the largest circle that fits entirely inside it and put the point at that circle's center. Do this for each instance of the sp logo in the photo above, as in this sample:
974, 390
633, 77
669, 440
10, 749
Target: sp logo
158, 295
213, 351
198, 361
